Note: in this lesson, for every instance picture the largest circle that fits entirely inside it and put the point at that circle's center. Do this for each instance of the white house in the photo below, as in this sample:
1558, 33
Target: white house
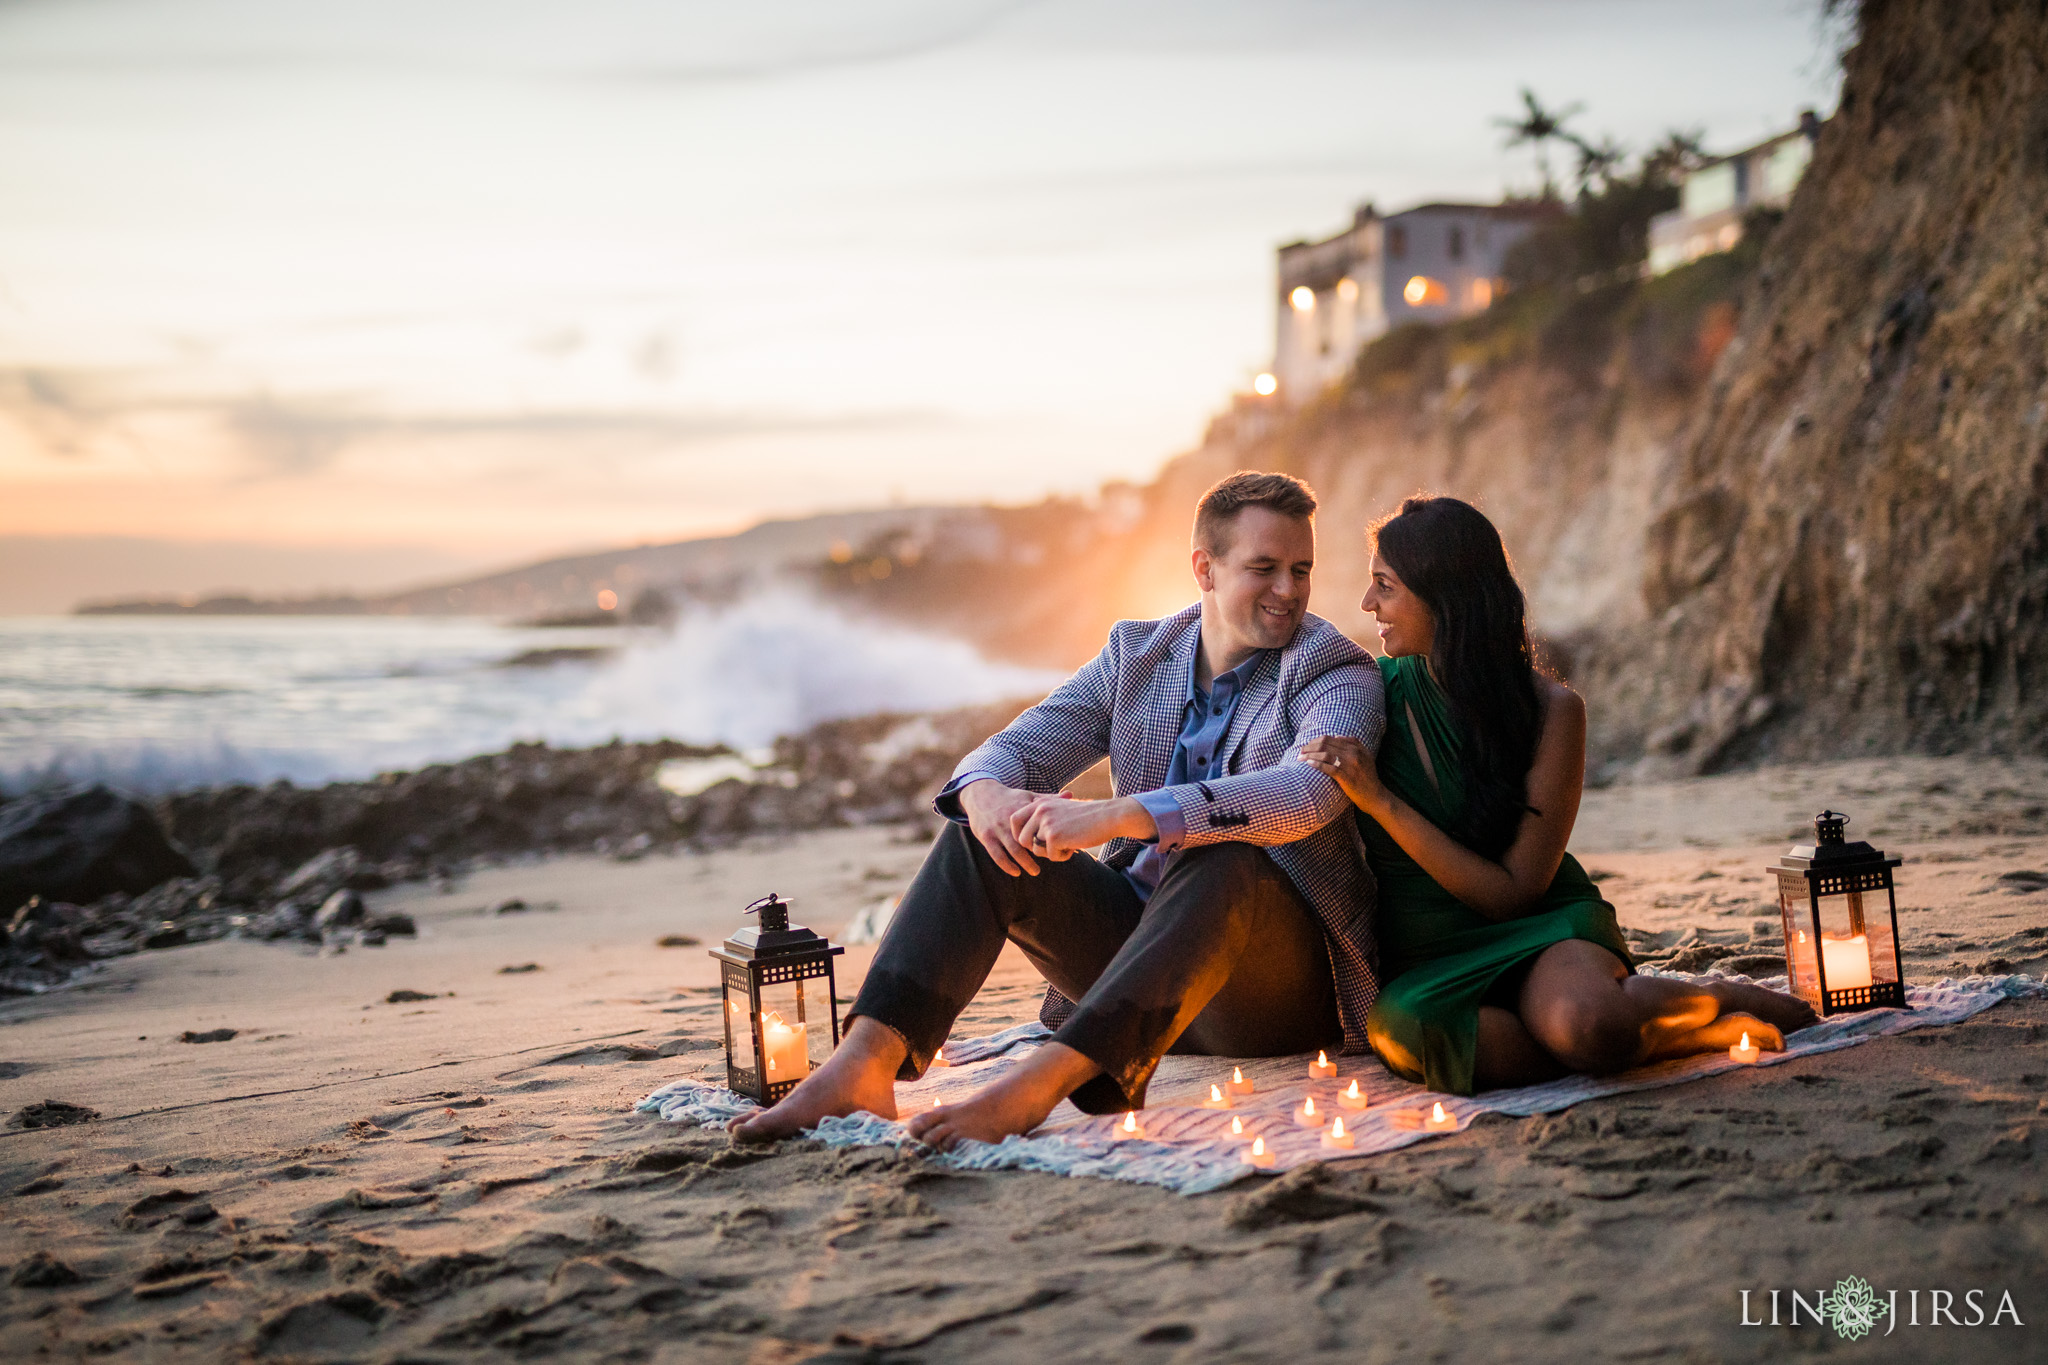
1432, 263
1712, 198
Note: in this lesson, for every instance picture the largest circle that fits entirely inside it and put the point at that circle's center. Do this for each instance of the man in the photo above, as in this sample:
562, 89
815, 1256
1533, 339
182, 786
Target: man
1231, 913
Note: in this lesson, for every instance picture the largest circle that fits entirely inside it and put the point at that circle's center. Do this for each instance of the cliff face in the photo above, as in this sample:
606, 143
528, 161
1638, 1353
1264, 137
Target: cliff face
1852, 552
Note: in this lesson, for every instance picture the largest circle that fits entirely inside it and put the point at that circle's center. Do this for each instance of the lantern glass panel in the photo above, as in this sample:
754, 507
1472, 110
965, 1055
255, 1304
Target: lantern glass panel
1800, 953
739, 1023
1844, 942
816, 1010
785, 1033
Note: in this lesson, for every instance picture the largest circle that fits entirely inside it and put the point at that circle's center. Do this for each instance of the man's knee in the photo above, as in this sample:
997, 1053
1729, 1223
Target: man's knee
1229, 859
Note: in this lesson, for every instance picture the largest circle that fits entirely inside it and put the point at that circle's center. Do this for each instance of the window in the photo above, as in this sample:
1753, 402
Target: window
1456, 242
1397, 242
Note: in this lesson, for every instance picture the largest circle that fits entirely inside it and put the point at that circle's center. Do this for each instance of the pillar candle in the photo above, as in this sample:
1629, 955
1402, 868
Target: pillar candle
785, 1049
1846, 961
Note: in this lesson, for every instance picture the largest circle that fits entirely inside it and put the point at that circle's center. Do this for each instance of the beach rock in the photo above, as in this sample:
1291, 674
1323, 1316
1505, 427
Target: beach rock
342, 910
318, 877
81, 845
391, 922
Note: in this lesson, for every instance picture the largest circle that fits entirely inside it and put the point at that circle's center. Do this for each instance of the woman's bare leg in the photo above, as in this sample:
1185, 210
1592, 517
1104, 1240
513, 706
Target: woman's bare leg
859, 1076
1507, 1055
1017, 1103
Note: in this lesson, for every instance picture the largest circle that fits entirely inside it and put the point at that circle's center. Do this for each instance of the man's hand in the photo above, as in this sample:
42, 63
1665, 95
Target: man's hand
1058, 827
990, 806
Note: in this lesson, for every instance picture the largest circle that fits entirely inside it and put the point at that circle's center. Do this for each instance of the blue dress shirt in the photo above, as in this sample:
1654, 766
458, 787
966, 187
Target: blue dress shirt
1197, 756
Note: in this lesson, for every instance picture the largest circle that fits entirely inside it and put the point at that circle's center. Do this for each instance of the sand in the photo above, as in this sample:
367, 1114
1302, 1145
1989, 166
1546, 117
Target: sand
461, 1176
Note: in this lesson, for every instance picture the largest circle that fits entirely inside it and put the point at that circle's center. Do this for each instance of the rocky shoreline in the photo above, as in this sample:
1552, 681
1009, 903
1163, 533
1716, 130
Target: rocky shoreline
91, 874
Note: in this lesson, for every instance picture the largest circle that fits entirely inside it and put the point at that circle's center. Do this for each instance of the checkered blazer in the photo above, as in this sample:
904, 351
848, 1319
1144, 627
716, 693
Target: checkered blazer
1128, 703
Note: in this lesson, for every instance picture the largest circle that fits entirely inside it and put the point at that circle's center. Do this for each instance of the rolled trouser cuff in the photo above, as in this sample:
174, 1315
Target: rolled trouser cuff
1126, 1042
918, 1015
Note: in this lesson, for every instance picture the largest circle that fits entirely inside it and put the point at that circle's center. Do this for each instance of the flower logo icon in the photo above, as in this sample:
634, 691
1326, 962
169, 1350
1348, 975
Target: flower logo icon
1853, 1309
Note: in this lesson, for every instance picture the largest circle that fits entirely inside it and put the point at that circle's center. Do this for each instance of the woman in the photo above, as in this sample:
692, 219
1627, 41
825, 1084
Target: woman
1501, 963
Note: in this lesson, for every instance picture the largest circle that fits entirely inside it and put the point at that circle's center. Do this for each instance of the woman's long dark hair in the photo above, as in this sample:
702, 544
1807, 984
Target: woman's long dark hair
1450, 556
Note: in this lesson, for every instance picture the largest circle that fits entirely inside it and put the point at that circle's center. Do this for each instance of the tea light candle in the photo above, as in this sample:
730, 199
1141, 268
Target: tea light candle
1438, 1121
1237, 1084
1351, 1097
1308, 1116
1217, 1099
1322, 1068
784, 1048
1257, 1155
1236, 1126
939, 1058
1745, 1051
1337, 1137
1127, 1129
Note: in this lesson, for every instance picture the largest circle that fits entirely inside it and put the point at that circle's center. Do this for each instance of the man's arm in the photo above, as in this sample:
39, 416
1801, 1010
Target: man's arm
1041, 751
1290, 800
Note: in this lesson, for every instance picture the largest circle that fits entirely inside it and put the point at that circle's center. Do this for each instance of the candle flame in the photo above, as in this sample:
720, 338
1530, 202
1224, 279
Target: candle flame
939, 1055
771, 1063
1436, 1115
1337, 1128
1237, 1074
1215, 1092
1258, 1146
1322, 1057
1353, 1091
1308, 1106
1744, 1044
1236, 1125
1130, 1123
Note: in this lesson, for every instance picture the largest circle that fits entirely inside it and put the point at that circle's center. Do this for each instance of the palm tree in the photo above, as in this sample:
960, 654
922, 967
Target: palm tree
1539, 127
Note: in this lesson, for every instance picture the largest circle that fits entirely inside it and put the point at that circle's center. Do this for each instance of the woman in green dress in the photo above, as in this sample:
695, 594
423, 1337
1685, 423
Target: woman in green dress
1501, 963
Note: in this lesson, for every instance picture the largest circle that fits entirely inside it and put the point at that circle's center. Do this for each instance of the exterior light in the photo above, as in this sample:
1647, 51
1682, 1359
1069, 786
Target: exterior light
1265, 386
1482, 293
1421, 289
1347, 289
1303, 298
607, 600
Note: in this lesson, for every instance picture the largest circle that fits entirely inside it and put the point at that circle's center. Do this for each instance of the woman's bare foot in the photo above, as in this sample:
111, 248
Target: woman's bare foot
1787, 1013
859, 1077
1725, 1032
1017, 1103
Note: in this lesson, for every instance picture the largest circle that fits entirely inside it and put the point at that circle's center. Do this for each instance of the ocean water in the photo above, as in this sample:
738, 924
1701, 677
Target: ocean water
154, 704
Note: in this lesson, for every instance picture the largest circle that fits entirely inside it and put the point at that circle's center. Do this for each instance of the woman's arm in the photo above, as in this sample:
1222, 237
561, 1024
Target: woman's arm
1498, 890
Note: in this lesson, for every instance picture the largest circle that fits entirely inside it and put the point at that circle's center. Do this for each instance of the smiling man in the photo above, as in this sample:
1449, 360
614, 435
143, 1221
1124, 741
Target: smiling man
1231, 913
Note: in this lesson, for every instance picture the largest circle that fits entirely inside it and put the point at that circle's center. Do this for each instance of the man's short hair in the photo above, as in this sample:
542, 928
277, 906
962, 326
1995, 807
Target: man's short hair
1283, 493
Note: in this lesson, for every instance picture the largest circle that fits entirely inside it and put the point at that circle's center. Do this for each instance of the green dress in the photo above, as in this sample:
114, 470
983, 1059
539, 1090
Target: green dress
1440, 960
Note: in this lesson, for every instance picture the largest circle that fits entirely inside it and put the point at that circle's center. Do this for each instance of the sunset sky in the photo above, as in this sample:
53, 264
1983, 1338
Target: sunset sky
396, 288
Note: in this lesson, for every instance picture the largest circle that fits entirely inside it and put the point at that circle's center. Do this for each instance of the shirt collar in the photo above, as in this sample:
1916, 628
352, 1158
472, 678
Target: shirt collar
1239, 677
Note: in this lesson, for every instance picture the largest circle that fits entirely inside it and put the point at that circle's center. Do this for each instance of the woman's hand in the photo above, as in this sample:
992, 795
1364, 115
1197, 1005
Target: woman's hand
1354, 768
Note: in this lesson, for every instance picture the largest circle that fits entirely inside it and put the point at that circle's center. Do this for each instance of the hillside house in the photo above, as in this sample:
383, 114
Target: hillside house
1432, 263
1714, 197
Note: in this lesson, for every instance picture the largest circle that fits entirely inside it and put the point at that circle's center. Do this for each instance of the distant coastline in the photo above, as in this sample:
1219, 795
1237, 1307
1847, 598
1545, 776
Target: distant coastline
230, 605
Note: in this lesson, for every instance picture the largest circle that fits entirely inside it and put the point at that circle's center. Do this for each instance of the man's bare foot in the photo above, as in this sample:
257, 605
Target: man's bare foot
1017, 1103
859, 1077
1787, 1013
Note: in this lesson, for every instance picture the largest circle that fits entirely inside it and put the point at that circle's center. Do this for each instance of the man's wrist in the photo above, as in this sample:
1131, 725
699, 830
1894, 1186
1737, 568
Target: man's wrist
1133, 820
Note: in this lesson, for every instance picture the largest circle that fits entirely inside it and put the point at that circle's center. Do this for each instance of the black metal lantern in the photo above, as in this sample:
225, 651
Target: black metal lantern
781, 1017
1841, 953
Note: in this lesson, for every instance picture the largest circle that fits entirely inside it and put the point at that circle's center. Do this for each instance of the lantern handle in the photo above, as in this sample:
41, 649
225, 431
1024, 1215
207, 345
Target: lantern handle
774, 912
1828, 826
